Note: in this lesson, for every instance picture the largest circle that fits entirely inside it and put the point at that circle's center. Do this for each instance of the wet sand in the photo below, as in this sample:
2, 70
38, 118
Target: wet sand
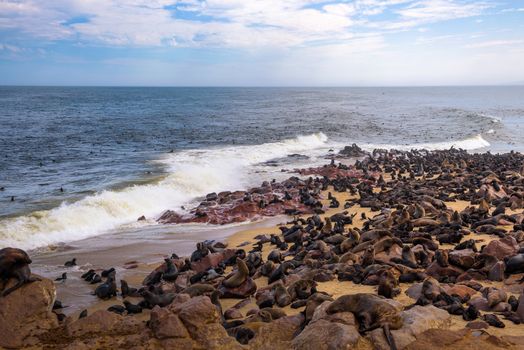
142, 249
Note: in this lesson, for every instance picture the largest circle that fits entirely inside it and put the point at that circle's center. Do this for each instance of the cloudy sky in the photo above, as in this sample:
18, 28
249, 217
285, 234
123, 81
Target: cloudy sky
261, 42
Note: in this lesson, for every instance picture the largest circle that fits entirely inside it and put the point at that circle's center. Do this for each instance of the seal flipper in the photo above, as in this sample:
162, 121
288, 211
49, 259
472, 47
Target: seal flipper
389, 336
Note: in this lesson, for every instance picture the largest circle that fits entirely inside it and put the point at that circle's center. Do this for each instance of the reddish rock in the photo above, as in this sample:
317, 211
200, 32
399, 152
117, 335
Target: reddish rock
464, 258
277, 334
461, 290
212, 260
26, 313
416, 321
502, 248
166, 324
497, 271
246, 289
102, 322
438, 272
520, 309
477, 325
233, 314
326, 335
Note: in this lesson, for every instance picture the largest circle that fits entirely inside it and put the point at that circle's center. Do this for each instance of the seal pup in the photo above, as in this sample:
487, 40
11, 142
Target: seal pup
371, 311
128, 291
106, 290
14, 263
132, 308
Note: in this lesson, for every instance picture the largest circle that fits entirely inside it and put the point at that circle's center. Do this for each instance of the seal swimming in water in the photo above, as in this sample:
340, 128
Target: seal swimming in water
371, 311
14, 263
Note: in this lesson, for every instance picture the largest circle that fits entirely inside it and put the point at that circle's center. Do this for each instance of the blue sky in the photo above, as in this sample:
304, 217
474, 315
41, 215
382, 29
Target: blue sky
261, 42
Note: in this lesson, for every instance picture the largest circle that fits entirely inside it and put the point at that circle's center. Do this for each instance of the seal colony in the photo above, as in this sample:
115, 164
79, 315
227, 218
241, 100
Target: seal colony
425, 236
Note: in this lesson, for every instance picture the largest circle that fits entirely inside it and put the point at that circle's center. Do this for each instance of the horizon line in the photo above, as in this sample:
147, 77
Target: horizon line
265, 86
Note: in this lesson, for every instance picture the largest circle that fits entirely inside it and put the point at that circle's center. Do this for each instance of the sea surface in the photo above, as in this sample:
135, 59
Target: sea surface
80, 162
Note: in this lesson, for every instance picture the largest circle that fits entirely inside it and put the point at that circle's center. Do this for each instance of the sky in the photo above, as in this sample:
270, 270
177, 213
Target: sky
261, 42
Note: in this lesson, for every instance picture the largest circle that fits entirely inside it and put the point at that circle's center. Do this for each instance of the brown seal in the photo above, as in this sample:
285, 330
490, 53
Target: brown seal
14, 263
238, 277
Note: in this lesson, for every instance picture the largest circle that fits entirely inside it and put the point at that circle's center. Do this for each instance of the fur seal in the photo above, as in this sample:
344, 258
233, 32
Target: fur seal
106, 290
70, 263
371, 311
14, 263
441, 256
128, 291
171, 272
132, 308
238, 277
387, 285
62, 278
515, 264
158, 299
368, 258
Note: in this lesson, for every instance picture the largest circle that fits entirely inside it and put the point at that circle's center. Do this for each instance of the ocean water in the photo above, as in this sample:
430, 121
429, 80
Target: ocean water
82, 162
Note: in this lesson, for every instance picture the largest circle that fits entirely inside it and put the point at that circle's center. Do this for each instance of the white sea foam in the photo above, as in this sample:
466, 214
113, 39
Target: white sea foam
191, 174
472, 143
492, 118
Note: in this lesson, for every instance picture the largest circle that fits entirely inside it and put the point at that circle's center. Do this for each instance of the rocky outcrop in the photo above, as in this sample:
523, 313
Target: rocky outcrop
335, 331
416, 321
26, 313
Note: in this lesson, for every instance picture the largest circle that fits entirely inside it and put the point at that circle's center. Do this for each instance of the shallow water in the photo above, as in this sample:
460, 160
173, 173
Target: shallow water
119, 153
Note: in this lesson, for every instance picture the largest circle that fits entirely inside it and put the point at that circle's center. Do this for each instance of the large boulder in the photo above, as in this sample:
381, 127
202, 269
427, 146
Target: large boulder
326, 335
277, 334
102, 322
26, 313
212, 260
166, 324
245, 290
416, 321
502, 248
202, 320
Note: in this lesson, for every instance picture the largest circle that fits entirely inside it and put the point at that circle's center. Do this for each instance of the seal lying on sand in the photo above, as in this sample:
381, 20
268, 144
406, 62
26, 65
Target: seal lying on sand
371, 311
14, 263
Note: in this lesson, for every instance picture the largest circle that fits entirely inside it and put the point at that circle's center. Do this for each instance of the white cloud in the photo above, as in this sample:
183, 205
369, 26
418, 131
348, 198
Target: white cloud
219, 23
494, 43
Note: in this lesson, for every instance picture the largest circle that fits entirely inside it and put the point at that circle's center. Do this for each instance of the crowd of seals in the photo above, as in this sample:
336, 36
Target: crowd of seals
409, 234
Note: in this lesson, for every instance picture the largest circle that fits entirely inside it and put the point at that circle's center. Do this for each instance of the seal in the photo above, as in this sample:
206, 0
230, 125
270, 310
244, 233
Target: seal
106, 290
371, 311
238, 277
128, 291
14, 263
515, 264
387, 285
70, 263
171, 272
157, 299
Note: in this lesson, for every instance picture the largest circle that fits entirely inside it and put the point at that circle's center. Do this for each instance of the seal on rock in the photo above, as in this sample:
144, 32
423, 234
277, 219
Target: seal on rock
14, 263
